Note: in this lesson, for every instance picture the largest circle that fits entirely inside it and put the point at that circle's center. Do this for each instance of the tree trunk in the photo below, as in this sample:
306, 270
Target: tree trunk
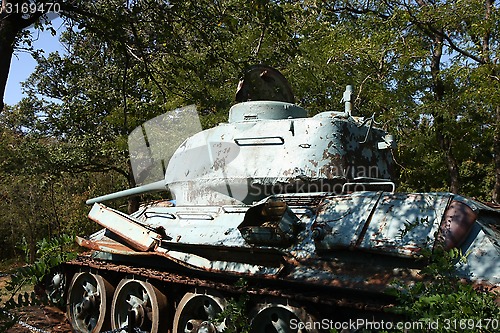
445, 143
496, 135
10, 26
133, 202
453, 169
496, 151
8, 32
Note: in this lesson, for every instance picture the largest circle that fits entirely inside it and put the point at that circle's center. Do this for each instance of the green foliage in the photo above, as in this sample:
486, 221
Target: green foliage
441, 299
50, 253
234, 316
411, 225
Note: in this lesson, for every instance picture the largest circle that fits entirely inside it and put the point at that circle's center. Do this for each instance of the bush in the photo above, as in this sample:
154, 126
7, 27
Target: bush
49, 254
444, 303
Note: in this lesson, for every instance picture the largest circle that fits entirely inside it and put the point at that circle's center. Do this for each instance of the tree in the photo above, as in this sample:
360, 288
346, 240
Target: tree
443, 46
36, 198
15, 17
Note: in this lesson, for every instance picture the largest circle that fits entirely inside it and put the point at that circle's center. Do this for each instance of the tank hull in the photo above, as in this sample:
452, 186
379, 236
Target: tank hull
312, 229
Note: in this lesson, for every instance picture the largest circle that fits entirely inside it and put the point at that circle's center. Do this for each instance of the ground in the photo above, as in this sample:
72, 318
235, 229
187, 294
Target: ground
48, 318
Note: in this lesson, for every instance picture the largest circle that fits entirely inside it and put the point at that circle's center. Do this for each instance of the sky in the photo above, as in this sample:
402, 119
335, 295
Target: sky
23, 64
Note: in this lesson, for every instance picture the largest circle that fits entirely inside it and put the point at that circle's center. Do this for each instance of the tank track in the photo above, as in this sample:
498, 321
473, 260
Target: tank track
272, 288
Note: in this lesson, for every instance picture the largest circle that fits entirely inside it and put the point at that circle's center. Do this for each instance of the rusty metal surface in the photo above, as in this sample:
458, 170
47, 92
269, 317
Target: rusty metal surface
287, 289
394, 224
456, 225
354, 275
404, 223
250, 240
333, 272
135, 235
109, 246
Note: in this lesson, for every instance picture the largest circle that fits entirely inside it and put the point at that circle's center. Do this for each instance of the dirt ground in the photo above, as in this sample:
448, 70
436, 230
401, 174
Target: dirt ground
48, 318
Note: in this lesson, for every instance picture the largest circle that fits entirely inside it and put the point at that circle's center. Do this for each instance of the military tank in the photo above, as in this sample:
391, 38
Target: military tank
302, 209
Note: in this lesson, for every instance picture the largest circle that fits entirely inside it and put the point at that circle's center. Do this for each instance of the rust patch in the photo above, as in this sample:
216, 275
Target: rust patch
456, 225
108, 245
314, 163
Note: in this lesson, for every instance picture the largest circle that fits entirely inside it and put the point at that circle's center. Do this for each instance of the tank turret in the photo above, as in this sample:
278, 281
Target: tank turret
271, 147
